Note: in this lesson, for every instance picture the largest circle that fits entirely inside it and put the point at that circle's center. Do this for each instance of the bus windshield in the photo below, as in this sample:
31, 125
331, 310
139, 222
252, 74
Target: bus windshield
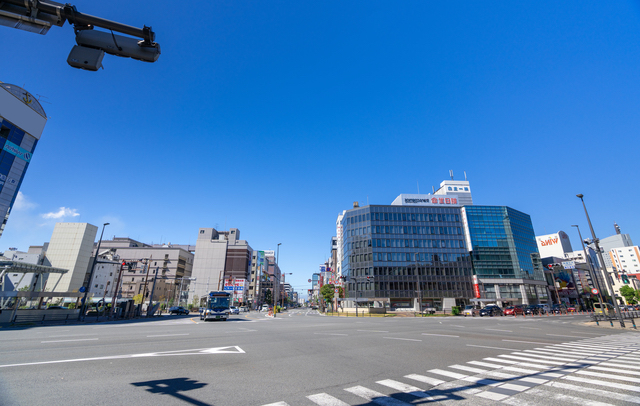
218, 302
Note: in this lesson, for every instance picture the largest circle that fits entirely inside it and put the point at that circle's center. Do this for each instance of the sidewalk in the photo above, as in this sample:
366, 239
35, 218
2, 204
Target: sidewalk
616, 325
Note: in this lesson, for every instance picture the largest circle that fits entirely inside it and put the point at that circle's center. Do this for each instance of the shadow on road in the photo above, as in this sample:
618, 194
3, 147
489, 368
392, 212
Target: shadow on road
174, 387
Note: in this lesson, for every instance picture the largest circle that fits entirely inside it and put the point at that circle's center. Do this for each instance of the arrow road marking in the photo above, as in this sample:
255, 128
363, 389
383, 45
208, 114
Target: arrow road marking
199, 351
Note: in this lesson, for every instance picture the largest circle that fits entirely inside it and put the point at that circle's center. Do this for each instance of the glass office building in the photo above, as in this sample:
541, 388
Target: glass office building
504, 254
22, 121
395, 254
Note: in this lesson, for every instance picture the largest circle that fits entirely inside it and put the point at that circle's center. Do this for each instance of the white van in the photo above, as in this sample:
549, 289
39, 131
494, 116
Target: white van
607, 311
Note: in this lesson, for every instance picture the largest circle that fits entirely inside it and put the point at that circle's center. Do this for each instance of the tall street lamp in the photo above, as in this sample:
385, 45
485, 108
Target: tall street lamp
93, 266
283, 281
588, 260
606, 275
277, 270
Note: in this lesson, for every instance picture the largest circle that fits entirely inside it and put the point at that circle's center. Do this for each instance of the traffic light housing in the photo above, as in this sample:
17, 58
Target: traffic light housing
625, 278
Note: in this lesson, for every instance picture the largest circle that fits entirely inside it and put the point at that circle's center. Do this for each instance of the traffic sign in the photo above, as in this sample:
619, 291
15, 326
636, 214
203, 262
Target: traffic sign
594, 291
309, 280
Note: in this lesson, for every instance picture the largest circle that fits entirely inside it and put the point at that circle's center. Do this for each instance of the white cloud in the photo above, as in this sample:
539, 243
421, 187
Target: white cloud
62, 213
22, 203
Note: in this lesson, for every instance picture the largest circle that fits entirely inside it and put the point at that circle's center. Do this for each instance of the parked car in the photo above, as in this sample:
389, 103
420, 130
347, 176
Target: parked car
608, 309
532, 310
234, 310
559, 308
514, 310
491, 311
178, 310
471, 310
265, 308
572, 309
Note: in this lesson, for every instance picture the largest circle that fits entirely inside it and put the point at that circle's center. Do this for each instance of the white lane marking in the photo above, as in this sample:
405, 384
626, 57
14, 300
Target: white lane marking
495, 348
404, 339
168, 335
495, 329
330, 334
453, 375
609, 376
440, 335
67, 341
323, 399
200, 351
454, 325
277, 404
531, 328
73, 335
593, 391
526, 342
373, 331
562, 398
561, 335
403, 387
375, 397
425, 379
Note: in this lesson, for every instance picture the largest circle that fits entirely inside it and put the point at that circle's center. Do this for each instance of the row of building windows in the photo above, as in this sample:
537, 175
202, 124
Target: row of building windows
392, 243
410, 271
411, 286
402, 217
416, 230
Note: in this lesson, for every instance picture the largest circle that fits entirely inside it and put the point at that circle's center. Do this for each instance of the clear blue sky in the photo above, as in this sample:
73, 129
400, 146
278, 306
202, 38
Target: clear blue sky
274, 116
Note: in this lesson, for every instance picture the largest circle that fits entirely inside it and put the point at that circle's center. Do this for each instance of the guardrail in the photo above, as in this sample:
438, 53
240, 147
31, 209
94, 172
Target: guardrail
41, 318
626, 315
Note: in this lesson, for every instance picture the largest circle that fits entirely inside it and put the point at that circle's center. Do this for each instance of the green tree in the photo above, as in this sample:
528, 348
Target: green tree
629, 294
267, 296
327, 292
137, 299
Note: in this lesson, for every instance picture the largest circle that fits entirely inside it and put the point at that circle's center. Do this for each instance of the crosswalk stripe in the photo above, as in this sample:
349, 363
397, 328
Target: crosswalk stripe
425, 379
529, 359
323, 399
624, 361
468, 369
277, 404
403, 387
609, 376
537, 356
485, 364
506, 361
593, 391
615, 364
615, 385
521, 370
501, 375
599, 368
375, 397
492, 396
447, 373
565, 398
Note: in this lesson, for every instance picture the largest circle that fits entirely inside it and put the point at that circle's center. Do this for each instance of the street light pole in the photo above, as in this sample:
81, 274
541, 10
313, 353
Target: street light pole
93, 266
588, 260
606, 275
277, 270
419, 287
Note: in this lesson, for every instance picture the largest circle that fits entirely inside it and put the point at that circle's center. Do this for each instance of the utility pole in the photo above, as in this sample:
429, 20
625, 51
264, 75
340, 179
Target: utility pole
115, 290
153, 289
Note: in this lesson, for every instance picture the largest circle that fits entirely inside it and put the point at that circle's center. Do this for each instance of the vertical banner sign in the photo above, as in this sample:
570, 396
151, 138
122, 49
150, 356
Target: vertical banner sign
476, 287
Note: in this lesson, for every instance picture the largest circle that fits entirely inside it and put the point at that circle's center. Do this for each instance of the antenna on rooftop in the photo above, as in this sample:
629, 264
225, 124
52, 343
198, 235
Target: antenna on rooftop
465, 175
451, 174
433, 189
418, 182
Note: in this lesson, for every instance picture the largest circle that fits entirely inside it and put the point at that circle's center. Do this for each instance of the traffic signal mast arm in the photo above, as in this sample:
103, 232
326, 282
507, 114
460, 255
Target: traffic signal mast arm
58, 13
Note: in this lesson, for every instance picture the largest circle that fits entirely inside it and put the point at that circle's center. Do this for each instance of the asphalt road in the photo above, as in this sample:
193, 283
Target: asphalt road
303, 358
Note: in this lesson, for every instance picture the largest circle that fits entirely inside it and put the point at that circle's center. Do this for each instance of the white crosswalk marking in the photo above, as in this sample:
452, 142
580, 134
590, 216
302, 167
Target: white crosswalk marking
609, 376
425, 379
468, 369
485, 364
593, 391
323, 399
598, 368
566, 398
615, 364
403, 387
375, 397
454, 375
277, 404
603, 383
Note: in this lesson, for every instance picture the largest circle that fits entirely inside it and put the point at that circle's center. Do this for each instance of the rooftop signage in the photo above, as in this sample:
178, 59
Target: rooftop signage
426, 200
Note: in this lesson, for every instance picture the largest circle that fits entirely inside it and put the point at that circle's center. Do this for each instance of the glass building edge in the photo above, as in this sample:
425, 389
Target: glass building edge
404, 252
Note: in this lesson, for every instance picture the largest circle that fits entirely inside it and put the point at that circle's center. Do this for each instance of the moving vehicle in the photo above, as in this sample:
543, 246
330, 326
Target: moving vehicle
265, 308
471, 310
514, 310
178, 310
606, 309
234, 310
533, 310
559, 308
216, 306
491, 311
